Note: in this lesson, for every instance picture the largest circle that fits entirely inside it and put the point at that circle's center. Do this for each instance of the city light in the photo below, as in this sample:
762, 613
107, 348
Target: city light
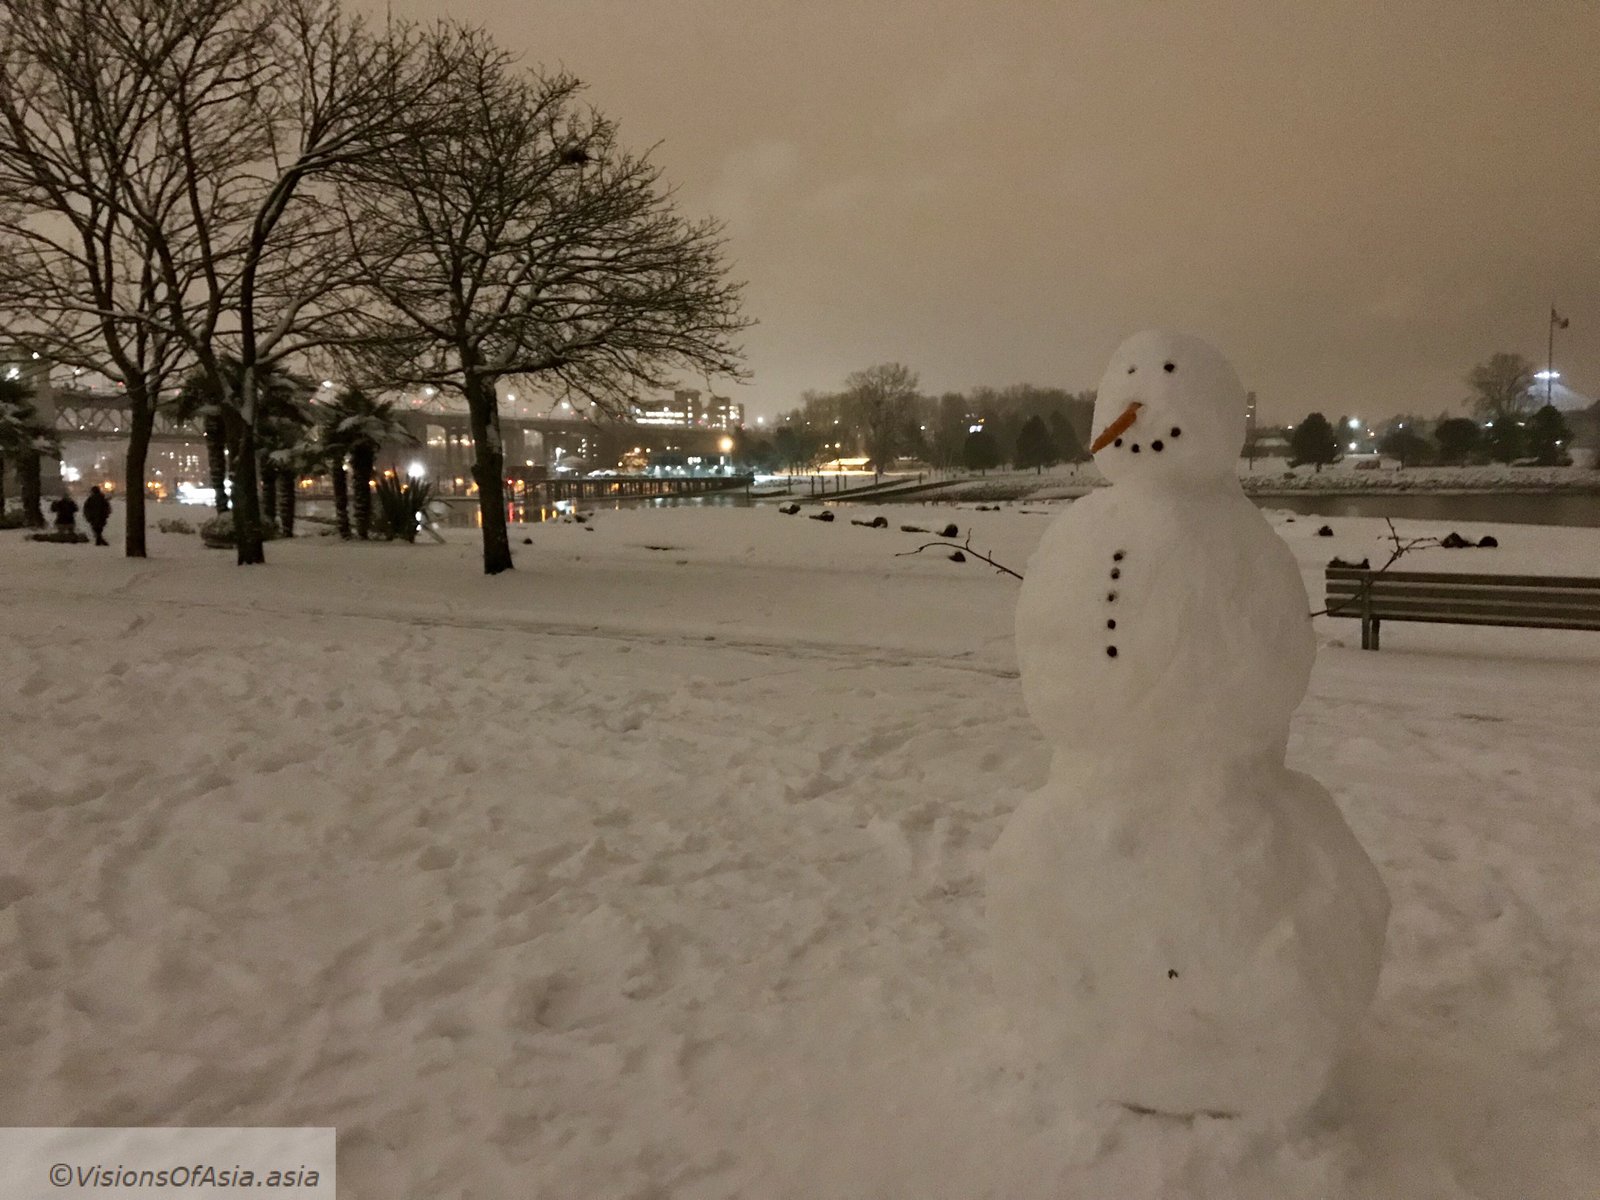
1355, 423
327, 383
1547, 375
416, 470
725, 445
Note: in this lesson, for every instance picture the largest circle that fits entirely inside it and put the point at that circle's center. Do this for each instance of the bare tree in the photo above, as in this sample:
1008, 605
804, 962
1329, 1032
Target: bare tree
522, 243
261, 108
882, 399
159, 171
1502, 387
79, 146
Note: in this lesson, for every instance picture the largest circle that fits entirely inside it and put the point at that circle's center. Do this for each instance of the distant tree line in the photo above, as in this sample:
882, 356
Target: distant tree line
1509, 425
882, 415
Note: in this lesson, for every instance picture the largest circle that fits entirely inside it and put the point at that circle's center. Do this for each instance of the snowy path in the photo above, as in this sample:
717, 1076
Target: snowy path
535, 891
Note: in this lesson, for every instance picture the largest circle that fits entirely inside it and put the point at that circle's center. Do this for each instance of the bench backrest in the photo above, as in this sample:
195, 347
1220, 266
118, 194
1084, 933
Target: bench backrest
1542, 601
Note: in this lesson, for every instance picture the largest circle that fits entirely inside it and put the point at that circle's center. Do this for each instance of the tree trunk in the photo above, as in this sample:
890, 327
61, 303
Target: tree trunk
217, 461
2, 485
488, 470
144, 420
361, 484
287, 495
30, 484
247, 500
341, 496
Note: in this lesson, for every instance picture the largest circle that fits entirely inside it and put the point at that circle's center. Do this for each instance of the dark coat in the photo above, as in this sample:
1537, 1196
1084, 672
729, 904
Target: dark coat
96, 509
66, 510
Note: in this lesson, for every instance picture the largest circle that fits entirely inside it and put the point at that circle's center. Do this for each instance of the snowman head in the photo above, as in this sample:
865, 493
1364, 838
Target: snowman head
1170, 408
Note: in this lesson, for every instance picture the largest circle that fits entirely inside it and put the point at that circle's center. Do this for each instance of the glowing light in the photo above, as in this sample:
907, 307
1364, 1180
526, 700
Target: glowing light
725, 445
1355, 422
327, 383
1352, 445
428, 391
1536, 374
416, 470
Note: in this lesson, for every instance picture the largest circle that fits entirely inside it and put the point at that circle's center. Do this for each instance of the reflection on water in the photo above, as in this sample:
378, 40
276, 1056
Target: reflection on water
1486, 508
464, 514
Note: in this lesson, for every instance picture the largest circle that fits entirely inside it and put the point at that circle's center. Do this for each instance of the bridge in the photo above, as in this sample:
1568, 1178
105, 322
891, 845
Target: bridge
629, 486
440, 445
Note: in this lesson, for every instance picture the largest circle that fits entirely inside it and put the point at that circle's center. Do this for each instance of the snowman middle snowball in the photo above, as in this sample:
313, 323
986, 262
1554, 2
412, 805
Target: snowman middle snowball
1178, 922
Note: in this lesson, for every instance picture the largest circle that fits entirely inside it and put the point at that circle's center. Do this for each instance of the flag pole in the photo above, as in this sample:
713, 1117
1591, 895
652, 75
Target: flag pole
1550, 357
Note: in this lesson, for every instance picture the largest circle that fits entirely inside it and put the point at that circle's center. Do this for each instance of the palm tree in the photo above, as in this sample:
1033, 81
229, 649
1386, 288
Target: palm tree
27, 439
284, 418
303, 458
198, 401
282, 438
358, 426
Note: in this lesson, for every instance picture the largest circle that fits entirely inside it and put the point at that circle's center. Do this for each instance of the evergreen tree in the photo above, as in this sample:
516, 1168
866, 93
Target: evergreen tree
1458, 438
1406, 444
1503, 438
1315, 442
1069, 446
1035, 447
1548, 436
980, 451
26, 440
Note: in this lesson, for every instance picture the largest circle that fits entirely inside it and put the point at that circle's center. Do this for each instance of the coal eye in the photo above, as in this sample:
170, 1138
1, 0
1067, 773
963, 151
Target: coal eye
1176, 432
1131, 370
1169, 367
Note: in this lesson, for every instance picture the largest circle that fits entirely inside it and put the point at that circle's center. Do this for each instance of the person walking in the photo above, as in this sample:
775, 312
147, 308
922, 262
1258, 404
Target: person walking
97, 511
66, 511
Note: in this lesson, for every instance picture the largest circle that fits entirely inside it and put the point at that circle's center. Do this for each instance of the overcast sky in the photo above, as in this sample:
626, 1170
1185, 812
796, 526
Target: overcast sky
1355, 199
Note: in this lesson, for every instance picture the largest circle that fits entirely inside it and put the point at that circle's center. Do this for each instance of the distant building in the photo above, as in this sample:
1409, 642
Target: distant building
687, 410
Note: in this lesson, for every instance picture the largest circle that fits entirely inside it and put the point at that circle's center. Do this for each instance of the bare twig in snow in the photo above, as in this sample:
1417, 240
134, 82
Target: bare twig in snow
966, 548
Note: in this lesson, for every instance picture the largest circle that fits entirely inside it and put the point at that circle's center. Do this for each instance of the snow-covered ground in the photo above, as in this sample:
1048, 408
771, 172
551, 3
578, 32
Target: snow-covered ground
653, 869
1350, 475
1273, 476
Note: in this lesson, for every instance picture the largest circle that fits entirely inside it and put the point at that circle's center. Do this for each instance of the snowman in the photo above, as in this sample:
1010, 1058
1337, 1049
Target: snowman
1178, 922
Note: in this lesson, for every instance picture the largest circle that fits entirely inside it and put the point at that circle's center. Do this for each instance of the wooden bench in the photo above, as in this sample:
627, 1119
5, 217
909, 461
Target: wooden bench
1532, 601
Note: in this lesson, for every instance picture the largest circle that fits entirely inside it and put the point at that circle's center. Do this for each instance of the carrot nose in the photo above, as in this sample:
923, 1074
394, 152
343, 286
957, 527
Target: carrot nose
1116, 429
